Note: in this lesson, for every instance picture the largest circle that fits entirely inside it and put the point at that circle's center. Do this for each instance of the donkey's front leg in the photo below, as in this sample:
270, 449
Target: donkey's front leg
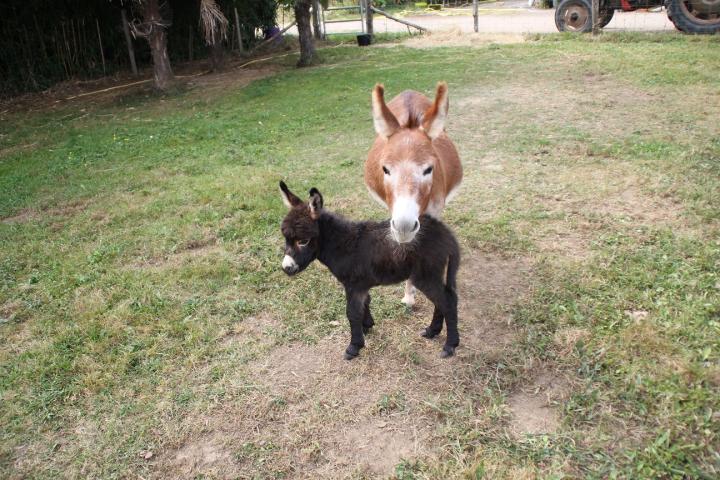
409, 298
355, 310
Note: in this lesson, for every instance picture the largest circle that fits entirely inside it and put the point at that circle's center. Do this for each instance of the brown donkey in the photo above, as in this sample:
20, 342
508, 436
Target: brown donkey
413, 167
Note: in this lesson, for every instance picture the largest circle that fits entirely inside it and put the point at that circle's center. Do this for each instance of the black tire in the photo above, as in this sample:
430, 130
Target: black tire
605, 17
695, 16
574, 16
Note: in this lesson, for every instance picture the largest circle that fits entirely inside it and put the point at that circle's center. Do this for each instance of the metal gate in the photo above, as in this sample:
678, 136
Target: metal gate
361, 10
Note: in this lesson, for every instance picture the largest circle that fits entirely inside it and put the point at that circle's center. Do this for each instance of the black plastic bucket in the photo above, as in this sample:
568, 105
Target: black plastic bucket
364, 40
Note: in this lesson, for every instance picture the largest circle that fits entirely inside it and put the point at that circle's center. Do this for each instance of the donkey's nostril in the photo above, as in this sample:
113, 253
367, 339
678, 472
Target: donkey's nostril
417, 226
392, 224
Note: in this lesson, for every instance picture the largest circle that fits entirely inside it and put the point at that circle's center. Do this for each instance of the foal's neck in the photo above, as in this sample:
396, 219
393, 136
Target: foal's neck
336, 237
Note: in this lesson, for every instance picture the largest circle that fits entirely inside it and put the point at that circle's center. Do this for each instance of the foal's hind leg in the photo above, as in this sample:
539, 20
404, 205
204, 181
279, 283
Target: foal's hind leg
445, 301
409, 298
435, 326
368, 321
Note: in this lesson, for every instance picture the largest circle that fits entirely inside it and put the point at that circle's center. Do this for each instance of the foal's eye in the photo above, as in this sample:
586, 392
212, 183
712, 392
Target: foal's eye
387, 172
427, 171
303, 243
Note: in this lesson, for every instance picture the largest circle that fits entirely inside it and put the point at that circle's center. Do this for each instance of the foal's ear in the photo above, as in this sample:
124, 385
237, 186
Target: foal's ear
385, 122
434, 118
289, 199
315, 203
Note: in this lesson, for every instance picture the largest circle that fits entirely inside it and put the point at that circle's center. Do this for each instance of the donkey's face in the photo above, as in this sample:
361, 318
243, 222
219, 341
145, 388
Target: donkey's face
408, 161
300, 229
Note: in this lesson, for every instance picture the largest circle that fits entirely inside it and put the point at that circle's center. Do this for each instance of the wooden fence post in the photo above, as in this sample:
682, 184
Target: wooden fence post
475, 15
595, 17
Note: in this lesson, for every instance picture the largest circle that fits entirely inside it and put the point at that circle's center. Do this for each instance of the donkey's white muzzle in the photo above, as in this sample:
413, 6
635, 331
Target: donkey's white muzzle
404, 224
404, 234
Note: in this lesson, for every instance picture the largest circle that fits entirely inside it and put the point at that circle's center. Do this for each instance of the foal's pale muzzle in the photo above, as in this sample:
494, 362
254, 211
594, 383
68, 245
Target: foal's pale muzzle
289, 265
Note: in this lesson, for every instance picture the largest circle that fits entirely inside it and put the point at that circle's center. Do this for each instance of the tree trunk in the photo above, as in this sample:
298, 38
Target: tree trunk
239, 35
368, 17
316, 19
307, 44
157, 39
217, 59
128, 40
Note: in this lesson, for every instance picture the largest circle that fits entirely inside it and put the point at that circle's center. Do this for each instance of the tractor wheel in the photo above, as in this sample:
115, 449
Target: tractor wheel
574, 16
695, 16
606, 16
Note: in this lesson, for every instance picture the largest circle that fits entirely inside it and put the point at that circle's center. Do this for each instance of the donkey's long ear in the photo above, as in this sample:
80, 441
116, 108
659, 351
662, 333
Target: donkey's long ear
434, 118
289, 199
385, 122
315, 203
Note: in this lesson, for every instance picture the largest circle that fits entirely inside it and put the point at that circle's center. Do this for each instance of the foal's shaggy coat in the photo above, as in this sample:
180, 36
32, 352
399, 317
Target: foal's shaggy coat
362, 255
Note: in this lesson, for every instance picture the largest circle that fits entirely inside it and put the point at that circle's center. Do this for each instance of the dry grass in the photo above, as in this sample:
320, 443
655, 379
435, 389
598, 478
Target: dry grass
167, 343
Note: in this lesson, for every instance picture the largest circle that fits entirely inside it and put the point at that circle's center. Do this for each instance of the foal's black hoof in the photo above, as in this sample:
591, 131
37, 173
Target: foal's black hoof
427, 333
352, 351
447, 352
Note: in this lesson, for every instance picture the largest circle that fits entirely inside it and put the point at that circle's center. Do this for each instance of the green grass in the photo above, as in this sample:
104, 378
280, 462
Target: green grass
136, 233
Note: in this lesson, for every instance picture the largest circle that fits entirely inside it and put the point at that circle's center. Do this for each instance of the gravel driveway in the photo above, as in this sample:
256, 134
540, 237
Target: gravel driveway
512, 16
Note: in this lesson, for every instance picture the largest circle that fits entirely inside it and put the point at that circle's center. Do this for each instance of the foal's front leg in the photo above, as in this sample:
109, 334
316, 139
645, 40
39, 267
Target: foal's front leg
355, 310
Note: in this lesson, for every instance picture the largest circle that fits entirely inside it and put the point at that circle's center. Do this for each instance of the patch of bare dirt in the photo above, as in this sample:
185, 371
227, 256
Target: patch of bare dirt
84, 96
63, 210
253, 328
187, 252
21, 217
566, 340
310, 414
488, 288
232, 77
457, 38
619, 108
565, 242
632, 203
9, 309
206, 454
532, 406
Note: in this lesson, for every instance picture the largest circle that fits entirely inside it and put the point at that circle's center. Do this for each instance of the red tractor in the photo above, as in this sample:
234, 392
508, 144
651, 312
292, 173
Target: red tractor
690, 16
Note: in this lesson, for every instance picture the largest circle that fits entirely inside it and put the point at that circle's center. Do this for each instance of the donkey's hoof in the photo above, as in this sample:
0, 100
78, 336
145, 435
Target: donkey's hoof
427, 333
352, 351
447, 352
367, 330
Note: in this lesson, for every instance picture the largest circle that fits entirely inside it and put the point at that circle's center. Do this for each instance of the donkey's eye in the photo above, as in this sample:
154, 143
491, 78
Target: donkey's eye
303, 243
387, 172
427, 171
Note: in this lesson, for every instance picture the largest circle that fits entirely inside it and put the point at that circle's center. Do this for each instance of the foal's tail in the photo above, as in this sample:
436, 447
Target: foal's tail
452, 269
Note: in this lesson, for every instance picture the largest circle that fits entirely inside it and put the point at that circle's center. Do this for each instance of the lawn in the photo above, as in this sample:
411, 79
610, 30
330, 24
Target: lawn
148, 331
